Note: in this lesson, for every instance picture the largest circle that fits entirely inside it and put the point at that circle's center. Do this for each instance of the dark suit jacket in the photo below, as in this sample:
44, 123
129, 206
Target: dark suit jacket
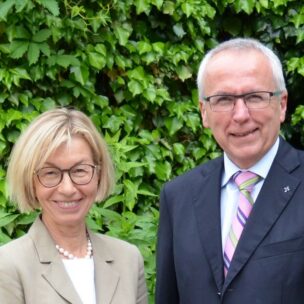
32, 272
268, 264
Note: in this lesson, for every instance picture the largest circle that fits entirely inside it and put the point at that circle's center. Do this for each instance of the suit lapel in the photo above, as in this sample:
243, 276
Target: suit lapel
52, 268
106, 278
207, 211
277, 190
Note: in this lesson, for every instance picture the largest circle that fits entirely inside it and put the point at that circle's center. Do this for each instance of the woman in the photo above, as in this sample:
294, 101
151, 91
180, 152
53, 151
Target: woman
61, 165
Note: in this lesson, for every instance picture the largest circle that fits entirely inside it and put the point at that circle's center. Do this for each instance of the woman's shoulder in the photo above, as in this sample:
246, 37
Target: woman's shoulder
115, 242
15, 250
115, 246
15, 244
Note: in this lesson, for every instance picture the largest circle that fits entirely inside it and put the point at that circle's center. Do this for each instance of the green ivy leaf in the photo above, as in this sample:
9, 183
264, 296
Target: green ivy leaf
113, 201
33, 53
50, 5
45, 49
144, 47
4, 238
20, 5
122, 32
168, 7
244, 5
173, 124
158, 3
183, 72
142, 6
187, 9
163, 170
26, 218
178, 30
42, 35
65, 60
5, 7
7, 219
20, 73
18, 49
135, 87
96, 60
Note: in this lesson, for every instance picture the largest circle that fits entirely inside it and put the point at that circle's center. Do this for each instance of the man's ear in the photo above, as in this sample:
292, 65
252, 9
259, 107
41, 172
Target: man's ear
204, 116
283, 105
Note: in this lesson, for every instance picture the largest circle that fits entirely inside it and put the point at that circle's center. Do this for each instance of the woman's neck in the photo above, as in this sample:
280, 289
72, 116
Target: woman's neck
72, 238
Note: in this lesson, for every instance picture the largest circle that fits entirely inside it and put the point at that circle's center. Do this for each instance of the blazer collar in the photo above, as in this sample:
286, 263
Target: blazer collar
106, 278
278, 188
53, 271
52, 268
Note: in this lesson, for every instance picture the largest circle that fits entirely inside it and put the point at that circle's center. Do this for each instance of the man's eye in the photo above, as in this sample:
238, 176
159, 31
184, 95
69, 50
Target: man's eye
254, 98
223, 99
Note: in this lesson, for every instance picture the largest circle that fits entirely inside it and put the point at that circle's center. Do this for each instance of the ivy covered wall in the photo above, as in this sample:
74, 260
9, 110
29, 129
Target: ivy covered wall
131, 66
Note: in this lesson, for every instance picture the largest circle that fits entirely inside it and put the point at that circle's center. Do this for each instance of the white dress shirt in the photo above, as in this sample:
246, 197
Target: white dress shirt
230, 192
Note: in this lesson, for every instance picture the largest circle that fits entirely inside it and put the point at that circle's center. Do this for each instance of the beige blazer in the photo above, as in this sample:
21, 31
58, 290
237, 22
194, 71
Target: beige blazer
32, 272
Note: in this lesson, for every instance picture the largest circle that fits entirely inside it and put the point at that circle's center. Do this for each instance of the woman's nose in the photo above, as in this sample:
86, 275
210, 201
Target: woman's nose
66, 185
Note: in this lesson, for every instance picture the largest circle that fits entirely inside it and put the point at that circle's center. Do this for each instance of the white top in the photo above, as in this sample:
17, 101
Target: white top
81, 272
230, 192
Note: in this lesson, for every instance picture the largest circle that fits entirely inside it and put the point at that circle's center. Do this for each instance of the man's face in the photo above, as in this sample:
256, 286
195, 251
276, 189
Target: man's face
244, 134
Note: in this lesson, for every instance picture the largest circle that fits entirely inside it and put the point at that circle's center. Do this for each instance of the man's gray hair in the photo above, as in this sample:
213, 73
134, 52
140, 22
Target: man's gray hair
242, 44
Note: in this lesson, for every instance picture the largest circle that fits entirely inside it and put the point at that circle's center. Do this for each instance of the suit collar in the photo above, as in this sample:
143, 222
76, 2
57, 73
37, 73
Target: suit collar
278, 188
53, 271
206, 203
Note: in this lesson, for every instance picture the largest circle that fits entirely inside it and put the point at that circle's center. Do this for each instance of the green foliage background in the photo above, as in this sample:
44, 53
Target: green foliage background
131, 66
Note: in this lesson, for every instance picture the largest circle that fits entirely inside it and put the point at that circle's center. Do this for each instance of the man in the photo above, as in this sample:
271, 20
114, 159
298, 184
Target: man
210, 250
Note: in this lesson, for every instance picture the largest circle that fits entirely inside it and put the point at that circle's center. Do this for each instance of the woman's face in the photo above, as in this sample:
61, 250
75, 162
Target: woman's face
67, 204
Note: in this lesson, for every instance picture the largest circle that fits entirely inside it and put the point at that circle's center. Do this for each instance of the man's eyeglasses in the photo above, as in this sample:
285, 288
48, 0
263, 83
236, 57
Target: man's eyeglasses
253, 100
79, 174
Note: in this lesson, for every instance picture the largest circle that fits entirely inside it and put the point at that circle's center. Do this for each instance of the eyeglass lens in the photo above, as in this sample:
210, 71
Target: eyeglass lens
52, 176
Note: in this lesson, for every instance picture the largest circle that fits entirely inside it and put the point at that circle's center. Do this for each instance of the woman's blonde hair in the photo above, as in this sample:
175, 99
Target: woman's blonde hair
42, 137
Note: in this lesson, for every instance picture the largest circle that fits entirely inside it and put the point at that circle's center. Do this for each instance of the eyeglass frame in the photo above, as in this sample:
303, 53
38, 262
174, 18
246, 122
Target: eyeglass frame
94, 167
243, 97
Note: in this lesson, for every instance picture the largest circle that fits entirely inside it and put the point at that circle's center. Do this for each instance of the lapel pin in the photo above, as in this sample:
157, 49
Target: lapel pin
286, 189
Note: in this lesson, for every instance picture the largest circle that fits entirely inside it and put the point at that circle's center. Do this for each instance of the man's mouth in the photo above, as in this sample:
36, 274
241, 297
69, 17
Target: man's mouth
244, 133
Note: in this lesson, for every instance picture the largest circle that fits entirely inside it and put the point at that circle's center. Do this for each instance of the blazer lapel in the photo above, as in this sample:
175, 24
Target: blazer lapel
52, 267
106, 278
277, 190
208, 216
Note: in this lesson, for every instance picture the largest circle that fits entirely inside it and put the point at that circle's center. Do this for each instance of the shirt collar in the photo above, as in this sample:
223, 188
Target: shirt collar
261, 168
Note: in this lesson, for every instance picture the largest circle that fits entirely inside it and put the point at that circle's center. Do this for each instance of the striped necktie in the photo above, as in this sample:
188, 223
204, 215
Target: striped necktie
245, 181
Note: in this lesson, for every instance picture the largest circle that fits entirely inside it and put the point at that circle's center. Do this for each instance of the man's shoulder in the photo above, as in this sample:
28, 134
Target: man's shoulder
287, 153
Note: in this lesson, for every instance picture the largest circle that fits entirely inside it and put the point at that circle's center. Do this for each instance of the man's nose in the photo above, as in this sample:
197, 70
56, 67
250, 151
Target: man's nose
240, 110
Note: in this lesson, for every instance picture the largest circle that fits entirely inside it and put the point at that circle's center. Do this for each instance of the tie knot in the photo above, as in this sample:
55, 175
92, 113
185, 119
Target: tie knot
245, 180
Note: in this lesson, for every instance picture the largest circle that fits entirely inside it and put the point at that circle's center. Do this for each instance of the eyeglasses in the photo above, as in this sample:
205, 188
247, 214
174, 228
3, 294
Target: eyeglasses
79, 174
253, 100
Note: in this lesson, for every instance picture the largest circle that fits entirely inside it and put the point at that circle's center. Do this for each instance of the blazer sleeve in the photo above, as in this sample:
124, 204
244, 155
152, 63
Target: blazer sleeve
11, 291
166, 284
142, 288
